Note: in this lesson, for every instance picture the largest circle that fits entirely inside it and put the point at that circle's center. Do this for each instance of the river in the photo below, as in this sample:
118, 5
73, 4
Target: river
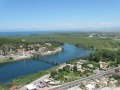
17, 69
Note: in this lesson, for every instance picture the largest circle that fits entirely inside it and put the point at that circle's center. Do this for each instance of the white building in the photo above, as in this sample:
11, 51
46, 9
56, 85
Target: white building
31, 87
89, 87
79, 67
90, 65
103, 65
54, 82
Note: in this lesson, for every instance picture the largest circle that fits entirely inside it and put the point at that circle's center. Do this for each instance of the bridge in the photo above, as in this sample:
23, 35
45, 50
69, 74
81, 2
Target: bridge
79, 81
53, 62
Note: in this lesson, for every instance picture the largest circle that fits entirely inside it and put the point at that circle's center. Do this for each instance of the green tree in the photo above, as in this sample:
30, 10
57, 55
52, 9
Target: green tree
75, 68
66, 68
60, 70
53, 73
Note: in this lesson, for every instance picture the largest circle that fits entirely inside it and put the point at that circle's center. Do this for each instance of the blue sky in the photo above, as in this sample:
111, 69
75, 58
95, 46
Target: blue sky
58, 14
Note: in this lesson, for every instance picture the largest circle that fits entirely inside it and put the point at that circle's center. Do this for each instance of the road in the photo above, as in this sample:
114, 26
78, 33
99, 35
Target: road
78, 82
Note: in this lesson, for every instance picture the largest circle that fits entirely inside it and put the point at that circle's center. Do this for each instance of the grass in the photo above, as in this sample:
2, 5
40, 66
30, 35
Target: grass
3, 88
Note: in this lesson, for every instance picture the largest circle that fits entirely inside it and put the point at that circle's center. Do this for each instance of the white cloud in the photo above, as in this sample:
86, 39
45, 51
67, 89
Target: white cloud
60, 26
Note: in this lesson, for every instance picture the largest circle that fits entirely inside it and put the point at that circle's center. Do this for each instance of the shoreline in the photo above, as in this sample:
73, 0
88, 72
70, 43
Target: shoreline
59, 49
9, 61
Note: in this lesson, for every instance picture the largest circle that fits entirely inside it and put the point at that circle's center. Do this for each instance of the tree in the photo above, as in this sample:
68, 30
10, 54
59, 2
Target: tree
10, 58
75, 68
53, 73
66, 68
60, 70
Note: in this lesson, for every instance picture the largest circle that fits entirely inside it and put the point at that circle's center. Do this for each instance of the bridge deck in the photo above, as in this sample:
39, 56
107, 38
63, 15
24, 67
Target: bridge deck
53, 62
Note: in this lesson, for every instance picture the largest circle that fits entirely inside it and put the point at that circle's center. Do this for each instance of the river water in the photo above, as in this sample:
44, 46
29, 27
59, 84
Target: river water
14, 70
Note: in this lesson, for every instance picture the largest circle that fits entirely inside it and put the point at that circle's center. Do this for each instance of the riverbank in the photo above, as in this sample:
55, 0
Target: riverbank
27, 57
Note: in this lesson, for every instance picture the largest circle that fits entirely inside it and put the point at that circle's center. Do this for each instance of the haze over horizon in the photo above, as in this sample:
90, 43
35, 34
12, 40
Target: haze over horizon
56, 15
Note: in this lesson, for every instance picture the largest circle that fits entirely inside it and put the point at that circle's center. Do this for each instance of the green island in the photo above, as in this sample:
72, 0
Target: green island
105, 50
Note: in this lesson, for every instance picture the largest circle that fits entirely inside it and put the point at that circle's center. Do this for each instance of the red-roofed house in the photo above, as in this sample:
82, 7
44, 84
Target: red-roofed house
13, 87
117, 73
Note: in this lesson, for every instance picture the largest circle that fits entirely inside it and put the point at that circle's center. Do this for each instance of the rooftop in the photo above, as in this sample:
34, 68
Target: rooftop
117, 73
30, 86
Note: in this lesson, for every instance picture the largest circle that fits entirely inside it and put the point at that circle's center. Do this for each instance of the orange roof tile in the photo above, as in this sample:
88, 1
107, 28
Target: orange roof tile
117, 73
13, 87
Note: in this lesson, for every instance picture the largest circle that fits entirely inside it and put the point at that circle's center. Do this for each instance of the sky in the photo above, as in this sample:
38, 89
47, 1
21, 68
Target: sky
58, 14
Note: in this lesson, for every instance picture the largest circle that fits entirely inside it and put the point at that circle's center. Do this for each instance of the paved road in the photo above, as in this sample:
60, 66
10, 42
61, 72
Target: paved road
78, 82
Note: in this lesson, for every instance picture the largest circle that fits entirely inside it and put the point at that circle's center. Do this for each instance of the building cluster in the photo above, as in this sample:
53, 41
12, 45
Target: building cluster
98, 84
42, 84
81, 67
105, 35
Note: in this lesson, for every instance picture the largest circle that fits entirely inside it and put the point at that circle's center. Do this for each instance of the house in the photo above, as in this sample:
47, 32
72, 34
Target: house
13, 87
90, 65
103, 65
79, 67
117, 73
97, 81
89, 87
31, 87
46, 80
54, 82
79, 63
105, 83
